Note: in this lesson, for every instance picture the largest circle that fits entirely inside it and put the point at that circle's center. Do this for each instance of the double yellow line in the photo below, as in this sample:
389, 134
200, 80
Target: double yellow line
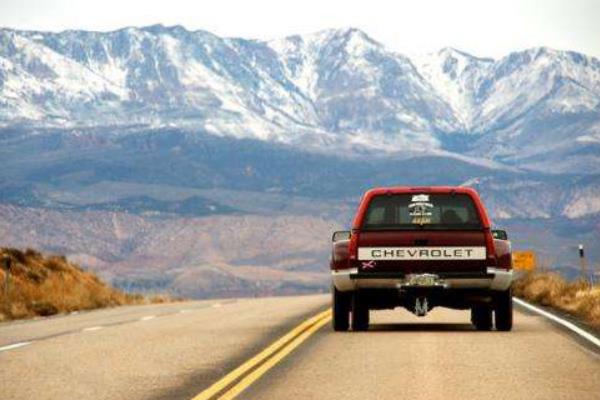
254, 368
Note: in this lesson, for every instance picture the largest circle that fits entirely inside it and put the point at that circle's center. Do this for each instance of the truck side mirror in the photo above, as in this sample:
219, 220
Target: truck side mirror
499, 234
340, 235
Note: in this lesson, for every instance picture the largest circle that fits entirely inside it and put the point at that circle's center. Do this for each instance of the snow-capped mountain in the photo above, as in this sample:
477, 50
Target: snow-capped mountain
142, 152
334, 90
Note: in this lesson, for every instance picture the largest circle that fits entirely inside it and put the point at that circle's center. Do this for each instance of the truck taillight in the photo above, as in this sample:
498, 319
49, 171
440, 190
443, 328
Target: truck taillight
353, 245
490, 248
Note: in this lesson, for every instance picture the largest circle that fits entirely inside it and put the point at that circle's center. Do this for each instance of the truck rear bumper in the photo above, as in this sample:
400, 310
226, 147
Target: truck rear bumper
351, 279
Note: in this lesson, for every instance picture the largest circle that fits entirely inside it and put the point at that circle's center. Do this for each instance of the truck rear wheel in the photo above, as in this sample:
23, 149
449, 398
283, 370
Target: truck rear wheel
481, 317
360, 313
503, 312
340, 309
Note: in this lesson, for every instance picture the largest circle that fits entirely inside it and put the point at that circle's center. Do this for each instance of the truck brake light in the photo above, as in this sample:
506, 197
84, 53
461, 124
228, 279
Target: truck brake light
353, 245
490, 248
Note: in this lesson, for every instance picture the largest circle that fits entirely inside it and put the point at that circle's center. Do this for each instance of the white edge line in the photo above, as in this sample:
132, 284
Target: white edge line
91, 329
14, 346
147, 317
569, 325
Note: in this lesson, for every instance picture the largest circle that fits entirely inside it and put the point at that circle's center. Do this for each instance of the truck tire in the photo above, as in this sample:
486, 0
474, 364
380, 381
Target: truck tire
481, 317
503, 312
360, 313
341, 303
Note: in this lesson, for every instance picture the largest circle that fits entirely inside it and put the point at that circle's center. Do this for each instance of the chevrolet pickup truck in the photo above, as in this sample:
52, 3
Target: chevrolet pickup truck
419, 248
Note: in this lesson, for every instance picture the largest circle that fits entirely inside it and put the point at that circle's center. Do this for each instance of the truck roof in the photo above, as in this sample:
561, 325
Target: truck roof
358, 218
427, 189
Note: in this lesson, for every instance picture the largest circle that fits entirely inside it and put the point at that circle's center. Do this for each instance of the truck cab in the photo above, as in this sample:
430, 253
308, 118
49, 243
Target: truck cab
420, 248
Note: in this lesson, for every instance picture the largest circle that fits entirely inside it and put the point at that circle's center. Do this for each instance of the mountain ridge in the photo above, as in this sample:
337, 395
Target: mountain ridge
337, 89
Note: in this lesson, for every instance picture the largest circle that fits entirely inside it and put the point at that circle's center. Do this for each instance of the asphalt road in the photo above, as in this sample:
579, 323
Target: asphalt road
167, 351
175, 351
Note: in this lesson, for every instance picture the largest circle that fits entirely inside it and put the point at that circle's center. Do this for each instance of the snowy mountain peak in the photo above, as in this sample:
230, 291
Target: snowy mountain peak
351, 34
352, 40
160, 28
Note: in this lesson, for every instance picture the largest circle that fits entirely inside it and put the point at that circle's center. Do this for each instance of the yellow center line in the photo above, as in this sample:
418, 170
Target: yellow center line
271, 362
290, 337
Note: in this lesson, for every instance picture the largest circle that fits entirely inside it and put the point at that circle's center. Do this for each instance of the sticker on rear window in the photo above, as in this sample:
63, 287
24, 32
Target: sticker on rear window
420, 209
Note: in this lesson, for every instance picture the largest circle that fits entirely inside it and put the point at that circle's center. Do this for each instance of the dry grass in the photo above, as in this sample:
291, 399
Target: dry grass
577, 298
44, 285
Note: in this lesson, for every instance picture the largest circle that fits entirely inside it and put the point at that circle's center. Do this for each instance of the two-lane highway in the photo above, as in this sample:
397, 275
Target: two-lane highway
180, 350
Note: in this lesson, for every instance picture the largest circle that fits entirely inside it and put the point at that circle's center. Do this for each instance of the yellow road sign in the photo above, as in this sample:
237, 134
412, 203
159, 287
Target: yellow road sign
524, 260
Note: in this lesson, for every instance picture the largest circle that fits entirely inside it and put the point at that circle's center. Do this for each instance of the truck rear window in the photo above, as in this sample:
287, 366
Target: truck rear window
422, 211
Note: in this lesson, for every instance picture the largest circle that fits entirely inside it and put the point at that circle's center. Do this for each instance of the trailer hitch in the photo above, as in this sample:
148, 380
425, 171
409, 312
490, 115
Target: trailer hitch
421, 306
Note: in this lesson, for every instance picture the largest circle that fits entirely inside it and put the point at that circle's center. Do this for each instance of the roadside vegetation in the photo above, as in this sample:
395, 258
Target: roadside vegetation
42, 285
577, 298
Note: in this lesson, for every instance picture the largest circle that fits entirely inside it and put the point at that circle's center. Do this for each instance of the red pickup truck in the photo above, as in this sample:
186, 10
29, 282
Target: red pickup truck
419, 248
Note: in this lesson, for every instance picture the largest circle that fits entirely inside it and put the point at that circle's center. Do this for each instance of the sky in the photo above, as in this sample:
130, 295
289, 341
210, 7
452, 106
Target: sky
483, 28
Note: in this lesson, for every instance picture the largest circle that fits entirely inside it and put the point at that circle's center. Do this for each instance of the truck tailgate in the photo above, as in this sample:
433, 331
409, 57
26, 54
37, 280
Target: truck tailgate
420, 251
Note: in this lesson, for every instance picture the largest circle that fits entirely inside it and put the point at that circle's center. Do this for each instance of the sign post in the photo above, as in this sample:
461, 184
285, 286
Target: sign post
583, 264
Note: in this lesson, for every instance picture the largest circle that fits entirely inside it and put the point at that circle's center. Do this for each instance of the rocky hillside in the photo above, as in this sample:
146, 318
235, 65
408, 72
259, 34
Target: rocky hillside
187, 256
42, 285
